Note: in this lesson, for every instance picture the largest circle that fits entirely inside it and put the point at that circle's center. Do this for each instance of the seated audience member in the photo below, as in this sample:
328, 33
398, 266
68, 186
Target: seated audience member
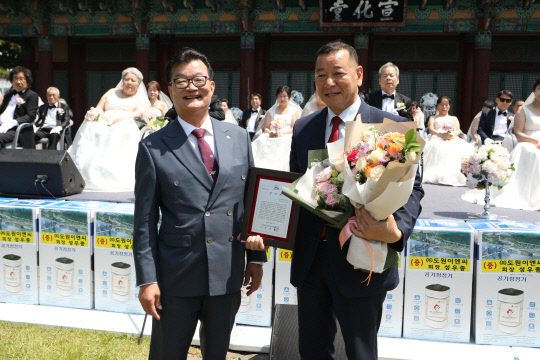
18, 107
472, 134
494, 123
53, 118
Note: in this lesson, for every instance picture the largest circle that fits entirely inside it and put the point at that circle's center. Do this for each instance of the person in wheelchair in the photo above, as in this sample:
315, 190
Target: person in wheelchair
53, 119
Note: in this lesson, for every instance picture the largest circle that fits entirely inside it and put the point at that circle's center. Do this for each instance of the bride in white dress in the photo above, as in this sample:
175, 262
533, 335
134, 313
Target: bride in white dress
445, 149
271, 150
104, 151
159, 102
523, 189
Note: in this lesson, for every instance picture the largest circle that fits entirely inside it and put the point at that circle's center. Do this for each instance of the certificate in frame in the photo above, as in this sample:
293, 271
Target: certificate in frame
269, 213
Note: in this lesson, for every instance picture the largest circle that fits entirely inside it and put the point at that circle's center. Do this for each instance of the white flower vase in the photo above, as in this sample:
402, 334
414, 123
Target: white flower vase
486, 214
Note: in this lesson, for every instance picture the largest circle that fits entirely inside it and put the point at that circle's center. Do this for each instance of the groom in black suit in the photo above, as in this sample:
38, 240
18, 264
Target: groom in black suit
19, 106
328, 286
253, 118
53, 118
494, 124
388, 99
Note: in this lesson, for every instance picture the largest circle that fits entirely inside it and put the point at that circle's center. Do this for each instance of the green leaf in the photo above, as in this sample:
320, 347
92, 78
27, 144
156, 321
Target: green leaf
409, 136
399, 143
414, 148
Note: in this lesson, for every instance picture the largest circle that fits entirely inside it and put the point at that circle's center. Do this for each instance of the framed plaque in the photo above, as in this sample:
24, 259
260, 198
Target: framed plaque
365, 13
268, 213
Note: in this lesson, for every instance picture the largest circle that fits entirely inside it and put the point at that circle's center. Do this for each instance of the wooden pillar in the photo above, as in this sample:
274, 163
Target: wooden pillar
143, 55
247, 62
467, 112
259, 73
77, 80
165, 51
45, 65
480, 79
361, 45
27, 54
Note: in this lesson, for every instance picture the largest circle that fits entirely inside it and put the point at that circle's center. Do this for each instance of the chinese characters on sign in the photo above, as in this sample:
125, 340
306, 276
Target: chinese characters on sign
362, 12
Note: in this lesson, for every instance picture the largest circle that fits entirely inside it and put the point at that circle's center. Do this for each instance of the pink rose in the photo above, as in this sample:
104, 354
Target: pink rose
324, 175
331, 189
331, 201
353, 156
465, 166
19, 101
322, 186
339, 165
476, 169
538, 145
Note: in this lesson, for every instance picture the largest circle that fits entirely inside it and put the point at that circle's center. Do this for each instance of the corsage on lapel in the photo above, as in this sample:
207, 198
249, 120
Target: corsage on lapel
20, 101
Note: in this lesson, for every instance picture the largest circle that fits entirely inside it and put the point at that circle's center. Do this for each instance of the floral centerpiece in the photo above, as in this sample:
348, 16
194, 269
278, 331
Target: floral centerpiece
297, 97
157, 124
487, 166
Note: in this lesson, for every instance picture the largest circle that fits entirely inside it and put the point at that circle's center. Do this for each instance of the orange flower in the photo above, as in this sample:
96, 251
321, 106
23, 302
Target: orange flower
394, 148
395, 136
368, 168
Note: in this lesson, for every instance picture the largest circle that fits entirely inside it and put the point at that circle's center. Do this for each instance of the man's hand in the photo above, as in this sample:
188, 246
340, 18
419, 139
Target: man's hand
56, 130
255, 243
254, 273
371, 229
150, 299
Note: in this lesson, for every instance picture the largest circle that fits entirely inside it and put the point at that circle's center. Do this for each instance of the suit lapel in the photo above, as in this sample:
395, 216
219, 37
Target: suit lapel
176, 139
492, 115
364, 112
224, 148
397, 99
378, 100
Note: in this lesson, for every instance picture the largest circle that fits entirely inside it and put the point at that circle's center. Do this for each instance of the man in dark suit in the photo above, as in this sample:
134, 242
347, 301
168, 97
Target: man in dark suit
388, 99
253, 118
328, 286
53, 118
494, 124
20, 106
195, 171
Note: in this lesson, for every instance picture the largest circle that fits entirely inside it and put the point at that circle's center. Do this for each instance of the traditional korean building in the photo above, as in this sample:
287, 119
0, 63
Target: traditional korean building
467, 50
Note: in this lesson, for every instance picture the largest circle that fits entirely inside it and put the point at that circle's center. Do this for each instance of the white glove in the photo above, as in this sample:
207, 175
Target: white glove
8, 125
3, 128
56, 130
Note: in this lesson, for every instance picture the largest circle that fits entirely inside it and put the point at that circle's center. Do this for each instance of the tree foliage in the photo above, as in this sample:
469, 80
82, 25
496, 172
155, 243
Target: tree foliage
10, 56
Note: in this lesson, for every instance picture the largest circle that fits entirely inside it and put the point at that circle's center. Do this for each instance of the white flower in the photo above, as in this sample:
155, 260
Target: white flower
400, 106
488, 166
375, 155
360, 163
376, 172
471, 182
475, 159
410, 157
60, 111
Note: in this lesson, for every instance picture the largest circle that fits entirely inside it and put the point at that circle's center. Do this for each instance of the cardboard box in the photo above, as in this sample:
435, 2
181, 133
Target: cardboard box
65, 254
507, 283
19, 251
256, 309
284, 292
392, 318
114, 268
438, 286
5, 200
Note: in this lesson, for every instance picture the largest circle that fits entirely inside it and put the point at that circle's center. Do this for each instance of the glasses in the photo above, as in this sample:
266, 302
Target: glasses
22, 78
505, 100
198, 81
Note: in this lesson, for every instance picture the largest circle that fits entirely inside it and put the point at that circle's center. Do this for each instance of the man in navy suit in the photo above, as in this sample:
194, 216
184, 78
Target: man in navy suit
494, 124
20, 106
195, 172
329, 288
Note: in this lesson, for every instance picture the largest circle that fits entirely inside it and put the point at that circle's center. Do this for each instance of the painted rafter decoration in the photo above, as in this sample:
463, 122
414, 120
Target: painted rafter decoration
190, 4
10, 7
280, 5
169, 5
86, 5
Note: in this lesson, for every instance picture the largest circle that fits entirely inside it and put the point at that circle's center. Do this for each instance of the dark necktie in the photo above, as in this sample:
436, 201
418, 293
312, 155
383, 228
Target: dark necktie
334, 134
386, 96
206, 153
52, 106
502, 113
254, 111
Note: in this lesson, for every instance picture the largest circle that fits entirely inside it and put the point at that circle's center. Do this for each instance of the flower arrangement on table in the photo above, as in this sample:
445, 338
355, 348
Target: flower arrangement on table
157, 123
297, 97
487, 166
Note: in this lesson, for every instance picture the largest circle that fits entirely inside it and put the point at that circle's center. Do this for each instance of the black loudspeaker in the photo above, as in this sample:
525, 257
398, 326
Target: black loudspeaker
284, 342
39, 172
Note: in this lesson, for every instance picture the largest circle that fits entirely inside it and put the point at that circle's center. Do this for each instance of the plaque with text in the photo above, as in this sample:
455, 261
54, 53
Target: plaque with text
356, 13
268, 212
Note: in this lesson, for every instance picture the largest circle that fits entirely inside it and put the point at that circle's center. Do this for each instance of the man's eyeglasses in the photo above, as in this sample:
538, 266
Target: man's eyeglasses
198, 81
505, 100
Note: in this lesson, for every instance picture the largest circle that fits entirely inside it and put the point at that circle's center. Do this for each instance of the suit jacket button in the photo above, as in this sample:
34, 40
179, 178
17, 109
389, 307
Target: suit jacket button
243, 177
231, 238
176, 183
207, 213
229, 212
210, 240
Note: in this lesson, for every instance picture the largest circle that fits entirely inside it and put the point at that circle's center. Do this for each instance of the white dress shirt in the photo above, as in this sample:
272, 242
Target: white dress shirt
208, 135
388, 104
6, 119
50, 119
348, 115
253, 120
500, 128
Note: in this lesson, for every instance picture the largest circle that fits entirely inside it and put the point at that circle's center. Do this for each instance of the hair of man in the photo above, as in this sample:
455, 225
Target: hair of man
185, 56
387, 65
52, 88
254, 95
339, 45
505, 92
489, 104
26, 72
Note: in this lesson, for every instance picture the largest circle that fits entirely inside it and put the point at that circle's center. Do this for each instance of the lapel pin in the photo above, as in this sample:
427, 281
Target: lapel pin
228, 137
243, 177
176, 183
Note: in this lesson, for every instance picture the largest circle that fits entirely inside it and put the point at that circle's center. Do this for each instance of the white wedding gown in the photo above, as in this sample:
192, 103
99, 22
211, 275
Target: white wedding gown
523, 189
156, 113
105, 155
442, 158
274, 153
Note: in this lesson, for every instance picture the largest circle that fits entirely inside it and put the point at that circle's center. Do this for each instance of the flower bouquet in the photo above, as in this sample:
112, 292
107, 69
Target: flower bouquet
381, 161
320, 189
277, 125
157, 124
448, 128
297, 97
92, 115
488, 166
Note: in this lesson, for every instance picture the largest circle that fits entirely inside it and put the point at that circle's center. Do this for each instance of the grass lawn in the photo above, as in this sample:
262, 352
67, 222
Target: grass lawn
31, 342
